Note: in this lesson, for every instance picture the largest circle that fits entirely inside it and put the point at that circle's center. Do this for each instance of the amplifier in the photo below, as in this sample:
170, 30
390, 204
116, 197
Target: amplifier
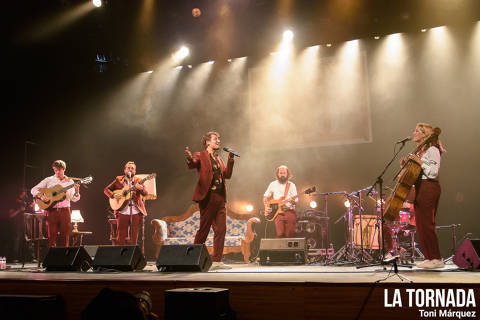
284, 251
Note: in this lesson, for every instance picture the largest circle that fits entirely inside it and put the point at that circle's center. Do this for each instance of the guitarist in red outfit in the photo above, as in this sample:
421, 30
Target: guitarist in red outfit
285, 222
211, 193
125, 216
58, 215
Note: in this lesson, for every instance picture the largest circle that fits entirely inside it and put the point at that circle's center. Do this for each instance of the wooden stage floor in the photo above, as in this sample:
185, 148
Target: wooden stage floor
256, 292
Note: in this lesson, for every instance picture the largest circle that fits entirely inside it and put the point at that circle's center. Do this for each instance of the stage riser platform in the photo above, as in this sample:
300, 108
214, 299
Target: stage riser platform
249, 300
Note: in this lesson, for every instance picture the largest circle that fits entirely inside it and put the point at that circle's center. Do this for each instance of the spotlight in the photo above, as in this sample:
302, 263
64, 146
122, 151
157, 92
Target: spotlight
329, 45
249, 208
189, 66
347, 203
424, 30
149, 71
179, 67
211, 62
313, 204
97, 3
181, 54
287, 35
229, 60
376, 37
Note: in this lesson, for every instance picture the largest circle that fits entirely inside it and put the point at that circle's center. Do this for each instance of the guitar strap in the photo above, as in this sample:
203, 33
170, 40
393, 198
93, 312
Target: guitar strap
286, 190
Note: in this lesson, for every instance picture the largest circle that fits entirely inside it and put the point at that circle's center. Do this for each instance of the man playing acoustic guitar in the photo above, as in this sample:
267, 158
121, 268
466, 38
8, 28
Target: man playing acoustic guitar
59, 214
286, 221
128, 215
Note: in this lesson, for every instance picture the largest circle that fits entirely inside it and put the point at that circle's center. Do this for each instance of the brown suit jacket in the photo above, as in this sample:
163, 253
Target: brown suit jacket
119, 183
201, 161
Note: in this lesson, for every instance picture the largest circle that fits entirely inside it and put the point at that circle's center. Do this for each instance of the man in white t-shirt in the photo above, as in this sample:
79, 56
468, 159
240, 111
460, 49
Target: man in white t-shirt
285, 222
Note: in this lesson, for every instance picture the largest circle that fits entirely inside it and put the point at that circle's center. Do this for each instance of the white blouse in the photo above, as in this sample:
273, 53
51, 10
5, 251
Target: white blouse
431, 163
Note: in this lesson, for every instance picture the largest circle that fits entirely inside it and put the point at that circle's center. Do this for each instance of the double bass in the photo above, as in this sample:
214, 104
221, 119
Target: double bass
406, 178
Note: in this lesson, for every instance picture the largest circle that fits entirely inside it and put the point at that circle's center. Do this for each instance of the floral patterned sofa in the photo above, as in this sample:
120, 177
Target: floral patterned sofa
181, 229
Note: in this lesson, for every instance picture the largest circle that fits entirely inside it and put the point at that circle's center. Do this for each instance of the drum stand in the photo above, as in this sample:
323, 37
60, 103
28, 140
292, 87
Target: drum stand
350, 252
454, 239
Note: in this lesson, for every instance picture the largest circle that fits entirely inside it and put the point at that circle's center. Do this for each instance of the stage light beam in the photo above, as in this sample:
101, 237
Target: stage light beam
97, 3
313, 204
181, 54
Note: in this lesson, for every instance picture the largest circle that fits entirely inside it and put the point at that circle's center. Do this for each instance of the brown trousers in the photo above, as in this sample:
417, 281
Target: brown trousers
213, 214
59, 225
426, 203
285, 224
123, 221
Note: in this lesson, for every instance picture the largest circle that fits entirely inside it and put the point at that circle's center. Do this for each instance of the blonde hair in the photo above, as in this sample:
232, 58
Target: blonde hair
428, 130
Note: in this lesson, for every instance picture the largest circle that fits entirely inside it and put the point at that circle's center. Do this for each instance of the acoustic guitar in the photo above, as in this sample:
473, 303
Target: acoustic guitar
277, 205
56, 193
125, 194
406, 178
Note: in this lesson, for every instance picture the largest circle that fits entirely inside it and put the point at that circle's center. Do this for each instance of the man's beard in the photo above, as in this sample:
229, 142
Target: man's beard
282, 179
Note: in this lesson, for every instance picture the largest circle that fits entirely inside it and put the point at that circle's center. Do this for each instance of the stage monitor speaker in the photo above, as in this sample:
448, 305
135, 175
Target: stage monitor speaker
467, 254
91, 250
67, 259
122, 258
283, 251
184, 258
213, 303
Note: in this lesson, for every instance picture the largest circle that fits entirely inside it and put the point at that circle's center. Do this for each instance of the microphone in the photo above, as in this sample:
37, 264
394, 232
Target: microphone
404, 140
129, 174
231, 151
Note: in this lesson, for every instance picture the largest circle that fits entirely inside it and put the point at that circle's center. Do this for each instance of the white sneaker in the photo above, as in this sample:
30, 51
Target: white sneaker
422, 264
219, 265
434, 264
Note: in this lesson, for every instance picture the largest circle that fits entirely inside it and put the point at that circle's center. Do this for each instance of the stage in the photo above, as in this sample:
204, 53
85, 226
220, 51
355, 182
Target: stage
256, 292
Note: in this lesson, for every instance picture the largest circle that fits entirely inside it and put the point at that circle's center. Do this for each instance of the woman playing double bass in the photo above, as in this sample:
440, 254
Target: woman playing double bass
427, 192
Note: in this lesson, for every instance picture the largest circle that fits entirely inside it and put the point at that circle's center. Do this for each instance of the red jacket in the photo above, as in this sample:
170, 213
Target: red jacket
119, 183
201, 161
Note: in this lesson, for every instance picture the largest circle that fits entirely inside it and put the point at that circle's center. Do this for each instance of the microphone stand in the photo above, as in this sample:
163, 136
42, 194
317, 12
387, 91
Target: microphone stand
379, 182
130, 204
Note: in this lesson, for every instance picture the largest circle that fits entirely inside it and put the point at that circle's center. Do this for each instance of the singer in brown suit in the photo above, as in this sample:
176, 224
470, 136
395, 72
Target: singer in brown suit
211, 193
128, 216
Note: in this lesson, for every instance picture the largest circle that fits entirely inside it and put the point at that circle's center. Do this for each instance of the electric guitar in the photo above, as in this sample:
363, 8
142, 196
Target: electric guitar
277, 205
56, 193
125, 193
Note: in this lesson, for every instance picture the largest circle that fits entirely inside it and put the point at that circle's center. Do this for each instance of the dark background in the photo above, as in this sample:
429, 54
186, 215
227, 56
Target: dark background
96, 121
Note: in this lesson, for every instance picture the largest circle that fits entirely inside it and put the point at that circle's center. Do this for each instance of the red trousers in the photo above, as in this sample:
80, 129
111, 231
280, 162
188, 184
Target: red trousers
285, 224
213, 214
123, 221
426, 203
59, 221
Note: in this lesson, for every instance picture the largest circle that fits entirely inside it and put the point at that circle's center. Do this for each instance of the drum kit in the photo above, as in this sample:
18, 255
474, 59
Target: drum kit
363, 236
